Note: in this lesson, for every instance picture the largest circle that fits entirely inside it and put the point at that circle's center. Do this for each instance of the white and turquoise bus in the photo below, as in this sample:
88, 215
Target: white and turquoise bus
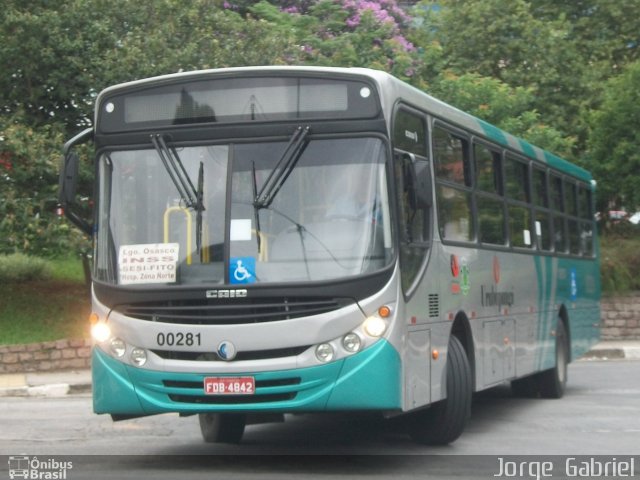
293, 239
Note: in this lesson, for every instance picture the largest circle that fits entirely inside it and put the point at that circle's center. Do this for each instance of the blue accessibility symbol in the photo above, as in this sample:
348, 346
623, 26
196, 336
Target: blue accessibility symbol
573, 275
242, 270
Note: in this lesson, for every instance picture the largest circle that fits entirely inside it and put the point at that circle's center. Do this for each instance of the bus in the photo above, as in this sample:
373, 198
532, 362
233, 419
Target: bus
276, 240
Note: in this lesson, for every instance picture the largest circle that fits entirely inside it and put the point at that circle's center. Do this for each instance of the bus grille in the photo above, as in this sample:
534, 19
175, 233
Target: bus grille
213, 357
231, 311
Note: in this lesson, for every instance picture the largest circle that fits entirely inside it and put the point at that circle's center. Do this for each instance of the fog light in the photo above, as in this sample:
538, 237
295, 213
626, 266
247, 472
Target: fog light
100, 332
375, 326
351, 342
324, 352
138, 356
118, 347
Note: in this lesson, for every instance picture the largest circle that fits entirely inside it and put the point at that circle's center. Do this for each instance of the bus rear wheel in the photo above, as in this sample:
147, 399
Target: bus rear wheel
445, 420
552, 383
222, 427
549, 383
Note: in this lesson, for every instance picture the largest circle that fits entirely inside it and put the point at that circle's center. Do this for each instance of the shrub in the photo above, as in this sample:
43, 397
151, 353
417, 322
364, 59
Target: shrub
620, 262
21, 268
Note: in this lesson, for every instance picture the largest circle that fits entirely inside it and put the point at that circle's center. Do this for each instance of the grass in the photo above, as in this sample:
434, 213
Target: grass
20, 268
52, 305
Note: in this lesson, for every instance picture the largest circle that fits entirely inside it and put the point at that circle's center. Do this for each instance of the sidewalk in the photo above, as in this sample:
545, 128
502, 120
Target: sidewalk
614, 349
45, 384
60, 384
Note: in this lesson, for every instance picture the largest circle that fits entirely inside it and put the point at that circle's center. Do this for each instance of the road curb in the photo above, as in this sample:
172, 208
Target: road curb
51, 391
611, 350
47, 384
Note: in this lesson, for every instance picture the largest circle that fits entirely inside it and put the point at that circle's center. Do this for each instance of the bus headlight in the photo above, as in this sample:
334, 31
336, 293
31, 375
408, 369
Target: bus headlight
374, 326
324, 352
100, 332
351, 342
138, 356
118, 347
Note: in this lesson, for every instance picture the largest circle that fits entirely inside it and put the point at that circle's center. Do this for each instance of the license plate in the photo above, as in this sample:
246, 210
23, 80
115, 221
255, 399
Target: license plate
229, 386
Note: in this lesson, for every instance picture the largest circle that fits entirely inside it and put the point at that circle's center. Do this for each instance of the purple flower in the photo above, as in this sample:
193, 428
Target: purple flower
354, 21
404, 43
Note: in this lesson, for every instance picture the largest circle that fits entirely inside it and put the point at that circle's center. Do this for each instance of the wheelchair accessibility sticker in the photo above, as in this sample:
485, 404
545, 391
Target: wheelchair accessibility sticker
242, 270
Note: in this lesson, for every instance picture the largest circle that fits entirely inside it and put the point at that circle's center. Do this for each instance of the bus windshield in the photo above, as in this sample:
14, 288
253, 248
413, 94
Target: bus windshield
328, 219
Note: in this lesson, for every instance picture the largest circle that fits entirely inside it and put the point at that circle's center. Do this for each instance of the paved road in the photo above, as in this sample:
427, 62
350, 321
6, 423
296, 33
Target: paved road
600, 415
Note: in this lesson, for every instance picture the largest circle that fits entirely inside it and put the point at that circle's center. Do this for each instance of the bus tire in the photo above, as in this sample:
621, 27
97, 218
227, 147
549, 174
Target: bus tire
444, 421
553, 382
222, 427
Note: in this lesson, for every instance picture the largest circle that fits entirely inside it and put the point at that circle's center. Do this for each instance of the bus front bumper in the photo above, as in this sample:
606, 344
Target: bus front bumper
368, 380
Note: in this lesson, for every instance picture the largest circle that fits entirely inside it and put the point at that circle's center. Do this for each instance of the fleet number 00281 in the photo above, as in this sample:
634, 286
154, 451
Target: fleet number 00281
179, 339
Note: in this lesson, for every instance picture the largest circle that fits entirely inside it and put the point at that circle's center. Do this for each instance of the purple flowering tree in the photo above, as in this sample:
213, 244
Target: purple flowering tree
364, 33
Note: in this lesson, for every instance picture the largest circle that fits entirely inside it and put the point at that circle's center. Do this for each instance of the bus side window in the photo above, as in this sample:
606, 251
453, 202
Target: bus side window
541, 208
489, 202
453, 179
585, 212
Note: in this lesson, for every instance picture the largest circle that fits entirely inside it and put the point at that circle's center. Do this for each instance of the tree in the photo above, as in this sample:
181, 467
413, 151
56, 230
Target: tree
509, 108
505, 41
346, 33
606, 32
28, 192
55, 60
615, 142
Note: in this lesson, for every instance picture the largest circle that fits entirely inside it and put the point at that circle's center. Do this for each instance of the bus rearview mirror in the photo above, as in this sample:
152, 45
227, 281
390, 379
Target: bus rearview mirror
420, 179
69, 178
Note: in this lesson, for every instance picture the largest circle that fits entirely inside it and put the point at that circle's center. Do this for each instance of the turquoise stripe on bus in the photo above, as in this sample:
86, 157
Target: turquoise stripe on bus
527, 148
367, 380
546, 268
494, 133
566, 167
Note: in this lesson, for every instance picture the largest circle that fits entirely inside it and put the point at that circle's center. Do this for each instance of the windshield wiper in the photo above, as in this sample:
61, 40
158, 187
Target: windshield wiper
283, 168
199, 209
176, 171
190, 196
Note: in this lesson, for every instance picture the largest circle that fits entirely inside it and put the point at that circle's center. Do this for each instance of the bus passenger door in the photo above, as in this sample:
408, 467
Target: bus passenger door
412, 177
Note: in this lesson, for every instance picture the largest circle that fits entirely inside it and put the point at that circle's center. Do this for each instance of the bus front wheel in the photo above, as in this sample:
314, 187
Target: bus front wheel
222, 427
444, 421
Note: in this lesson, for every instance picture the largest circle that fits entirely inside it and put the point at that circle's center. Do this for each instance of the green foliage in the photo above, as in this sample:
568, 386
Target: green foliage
28, 193
615, 140
509, 108
620, 259
505, 41
20, 268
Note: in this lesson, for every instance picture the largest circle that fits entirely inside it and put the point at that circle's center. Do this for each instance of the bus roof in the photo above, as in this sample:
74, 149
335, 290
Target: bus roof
391, 90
